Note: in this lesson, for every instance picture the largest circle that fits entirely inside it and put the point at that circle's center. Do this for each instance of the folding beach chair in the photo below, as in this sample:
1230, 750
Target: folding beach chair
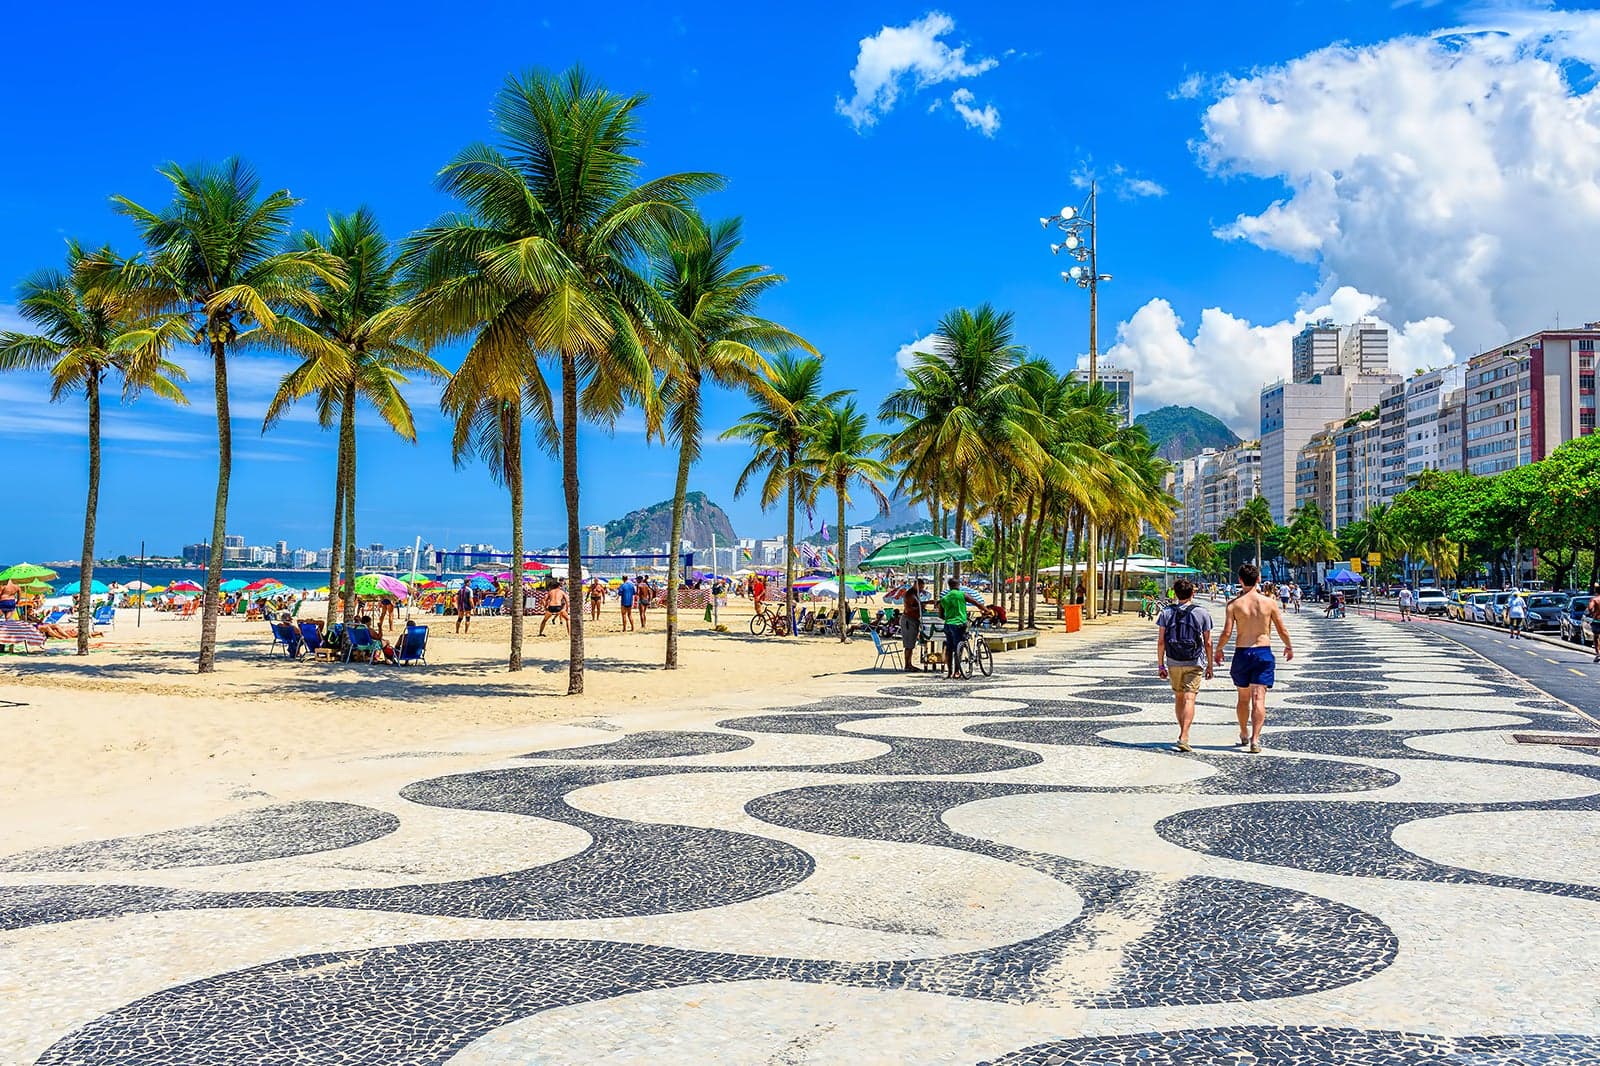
362, 642
311, 633
412, 647
885, 651
105, 616
287, 638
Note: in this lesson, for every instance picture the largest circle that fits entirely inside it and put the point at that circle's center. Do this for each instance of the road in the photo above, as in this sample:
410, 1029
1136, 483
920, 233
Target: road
1568, 673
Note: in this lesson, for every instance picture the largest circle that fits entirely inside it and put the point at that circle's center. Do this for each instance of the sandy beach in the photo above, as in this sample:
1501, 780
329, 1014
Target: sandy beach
131, 739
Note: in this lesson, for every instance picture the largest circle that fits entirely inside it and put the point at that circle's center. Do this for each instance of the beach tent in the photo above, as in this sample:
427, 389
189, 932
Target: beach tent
919, 549
1344, 576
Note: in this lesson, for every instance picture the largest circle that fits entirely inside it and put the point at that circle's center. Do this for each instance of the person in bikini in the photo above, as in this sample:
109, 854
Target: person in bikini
1252, 617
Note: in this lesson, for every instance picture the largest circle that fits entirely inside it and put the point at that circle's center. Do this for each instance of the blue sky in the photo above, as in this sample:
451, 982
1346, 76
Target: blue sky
1199, 118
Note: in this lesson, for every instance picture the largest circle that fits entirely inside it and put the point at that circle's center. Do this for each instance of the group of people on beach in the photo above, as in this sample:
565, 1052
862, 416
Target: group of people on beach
1186, 655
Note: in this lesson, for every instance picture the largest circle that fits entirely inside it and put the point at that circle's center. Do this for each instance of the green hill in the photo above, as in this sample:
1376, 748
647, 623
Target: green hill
649, 527
1180, 432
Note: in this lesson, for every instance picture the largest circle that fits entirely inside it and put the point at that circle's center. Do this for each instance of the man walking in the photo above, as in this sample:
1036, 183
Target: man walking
911, 621
1183, 644
1253, 617
464, 608
1406, 603
626, 595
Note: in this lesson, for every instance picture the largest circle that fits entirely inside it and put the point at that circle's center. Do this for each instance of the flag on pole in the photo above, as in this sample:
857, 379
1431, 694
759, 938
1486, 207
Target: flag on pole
808, 553
822, 534
745, 552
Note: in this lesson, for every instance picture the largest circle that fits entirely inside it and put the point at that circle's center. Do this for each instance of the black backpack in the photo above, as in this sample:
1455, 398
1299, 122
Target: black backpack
1183, 635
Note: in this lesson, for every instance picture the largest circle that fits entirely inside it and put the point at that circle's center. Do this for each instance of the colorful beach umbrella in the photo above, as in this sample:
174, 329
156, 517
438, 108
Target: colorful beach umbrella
184, 586
414, 578
919, 549
36, 588
372, 585
27, 571
262, 584
233, 584
95, 589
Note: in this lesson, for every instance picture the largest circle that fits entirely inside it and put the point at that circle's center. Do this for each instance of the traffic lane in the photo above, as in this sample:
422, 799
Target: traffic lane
1567, 672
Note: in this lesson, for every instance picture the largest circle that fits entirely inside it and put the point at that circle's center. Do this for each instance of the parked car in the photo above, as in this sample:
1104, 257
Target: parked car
1457, 606
1545, 610
1478, 608
1497, 608
1572, 618
1431, 601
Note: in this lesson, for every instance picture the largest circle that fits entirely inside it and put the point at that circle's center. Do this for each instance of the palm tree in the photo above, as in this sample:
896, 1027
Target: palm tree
1253, 521
83, 339
961, 409
360, 355
778, 430
1377, 535
1202, 553
711, 337
215, 258
841, 453
547, 261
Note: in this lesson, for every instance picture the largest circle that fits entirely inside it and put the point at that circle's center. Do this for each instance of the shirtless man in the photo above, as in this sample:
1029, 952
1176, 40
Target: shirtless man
1255, 616
10, 593
555, 605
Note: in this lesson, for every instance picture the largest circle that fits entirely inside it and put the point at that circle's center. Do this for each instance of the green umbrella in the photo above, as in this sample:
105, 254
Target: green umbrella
414, 578
35, 587
919, 549
371, 586
26, 572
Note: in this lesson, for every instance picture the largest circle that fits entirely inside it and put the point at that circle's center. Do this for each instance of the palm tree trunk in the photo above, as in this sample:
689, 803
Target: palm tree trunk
997, 569
1122, 594
219, 512
1023, 538
680, 491
844, 568
86, 565
1090, 575
513, 476
337, 550
347, 429
961, 518
1061, 568
1033, 567
1258, 554
788, 545
569, 483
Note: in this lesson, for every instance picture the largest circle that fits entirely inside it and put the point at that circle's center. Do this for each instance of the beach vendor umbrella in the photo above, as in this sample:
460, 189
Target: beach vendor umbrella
26, 571
234, 584
414, 578
429, 586
481, 582
184, 586
137, 586
263, 584
919, 549
95, 589
36, 587
372, 585
1344, 576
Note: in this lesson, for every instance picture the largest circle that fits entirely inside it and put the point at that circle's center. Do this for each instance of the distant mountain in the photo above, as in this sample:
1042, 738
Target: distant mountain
1180, 432
651, 527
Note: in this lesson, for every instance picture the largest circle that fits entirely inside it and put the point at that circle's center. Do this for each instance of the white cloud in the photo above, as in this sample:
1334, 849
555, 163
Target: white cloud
896, 55
906, 357
1134, 188
1118, 180
986, 120
1454, 174
1223, 364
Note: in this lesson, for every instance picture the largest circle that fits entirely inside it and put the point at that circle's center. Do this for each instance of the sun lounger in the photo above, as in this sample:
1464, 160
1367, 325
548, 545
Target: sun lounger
412, 646
311, 633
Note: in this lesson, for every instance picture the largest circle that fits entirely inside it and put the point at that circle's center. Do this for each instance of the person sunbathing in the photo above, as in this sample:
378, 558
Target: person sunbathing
57, 631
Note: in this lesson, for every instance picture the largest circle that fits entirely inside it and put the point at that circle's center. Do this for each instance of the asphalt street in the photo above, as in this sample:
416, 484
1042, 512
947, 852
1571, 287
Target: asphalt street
1568, 673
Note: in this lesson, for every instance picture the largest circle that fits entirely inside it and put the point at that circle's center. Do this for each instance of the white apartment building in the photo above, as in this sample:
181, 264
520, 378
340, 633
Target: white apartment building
1357, 468
594, 540
1526, 398
1392, 443
1119, 382
1210, 488
1292, 412
1315, 350
1428, 399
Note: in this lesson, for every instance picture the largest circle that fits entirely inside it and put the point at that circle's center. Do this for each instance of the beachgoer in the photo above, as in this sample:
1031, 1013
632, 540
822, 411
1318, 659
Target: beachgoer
647, 596
1078, 593
1183, 653
1253, 617
1593, 611
597, 596
555, 606
1294, 597
953, 607
10, 593
1406, 603
386, 615
1516, 613
463, 608
758, 591
625, 596
911, 620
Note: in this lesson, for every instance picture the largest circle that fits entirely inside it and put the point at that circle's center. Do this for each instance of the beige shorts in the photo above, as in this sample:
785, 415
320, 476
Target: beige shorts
1185, 678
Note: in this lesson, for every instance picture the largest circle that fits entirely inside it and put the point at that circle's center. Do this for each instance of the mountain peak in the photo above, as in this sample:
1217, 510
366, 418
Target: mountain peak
1180, 432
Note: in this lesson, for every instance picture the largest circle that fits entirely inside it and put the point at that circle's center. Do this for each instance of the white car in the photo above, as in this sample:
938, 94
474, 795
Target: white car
1431, 601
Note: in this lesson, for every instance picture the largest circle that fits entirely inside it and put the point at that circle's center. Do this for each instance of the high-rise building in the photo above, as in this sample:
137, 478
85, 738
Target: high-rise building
1292, 412
1357, 467
1392, 443
1365, 349
1313, 475
1119, 383
282, 553
594, 540
1526, 398
1428, 396
198, 554
1210, 488
1315, 350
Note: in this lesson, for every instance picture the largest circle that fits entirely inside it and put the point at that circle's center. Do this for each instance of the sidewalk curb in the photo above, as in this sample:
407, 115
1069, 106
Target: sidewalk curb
1585, 715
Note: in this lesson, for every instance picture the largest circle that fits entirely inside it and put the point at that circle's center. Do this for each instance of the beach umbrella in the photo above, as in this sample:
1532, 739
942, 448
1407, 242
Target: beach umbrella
919, 549
372, 585
26, 571
233, 584
262, 584
184, 586
36, 587
480, 582
137, 586
414, 578
95, 589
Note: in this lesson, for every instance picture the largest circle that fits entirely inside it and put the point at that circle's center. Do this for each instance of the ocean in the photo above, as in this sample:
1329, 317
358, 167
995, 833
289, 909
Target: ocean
166, 575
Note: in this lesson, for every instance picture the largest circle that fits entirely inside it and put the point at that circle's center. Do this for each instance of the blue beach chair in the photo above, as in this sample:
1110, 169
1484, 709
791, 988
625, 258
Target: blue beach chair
412, 647
311, 633
362, 642
106, 616
885, 651
287, 638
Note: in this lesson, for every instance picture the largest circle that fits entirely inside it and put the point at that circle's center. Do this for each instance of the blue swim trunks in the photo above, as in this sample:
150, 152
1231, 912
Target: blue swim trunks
1253, 666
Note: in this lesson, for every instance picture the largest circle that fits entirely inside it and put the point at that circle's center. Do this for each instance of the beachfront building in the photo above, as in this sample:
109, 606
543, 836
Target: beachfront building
1313, 475
594, 540
197, 554
1292, 412
1526, 398
1392, 443
1433, 398
1120, 384
1210, 488
1315, 350
1357, 476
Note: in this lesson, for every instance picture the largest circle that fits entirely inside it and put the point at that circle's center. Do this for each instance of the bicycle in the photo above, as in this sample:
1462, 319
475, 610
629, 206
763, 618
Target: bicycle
971, 654
769, 620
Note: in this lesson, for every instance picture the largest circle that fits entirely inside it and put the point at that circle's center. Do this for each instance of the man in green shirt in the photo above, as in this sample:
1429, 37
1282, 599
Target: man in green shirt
953, 606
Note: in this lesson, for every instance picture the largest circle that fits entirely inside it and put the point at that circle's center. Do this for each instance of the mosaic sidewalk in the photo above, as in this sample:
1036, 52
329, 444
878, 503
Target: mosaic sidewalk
1017, 870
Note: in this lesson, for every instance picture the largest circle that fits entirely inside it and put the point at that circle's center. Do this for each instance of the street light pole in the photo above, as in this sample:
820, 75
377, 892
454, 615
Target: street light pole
1080, 224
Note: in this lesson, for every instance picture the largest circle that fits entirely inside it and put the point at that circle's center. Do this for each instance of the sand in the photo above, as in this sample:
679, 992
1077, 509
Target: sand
131, 739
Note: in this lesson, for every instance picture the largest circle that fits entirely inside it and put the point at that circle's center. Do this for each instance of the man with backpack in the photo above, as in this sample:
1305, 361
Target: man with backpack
1183, 653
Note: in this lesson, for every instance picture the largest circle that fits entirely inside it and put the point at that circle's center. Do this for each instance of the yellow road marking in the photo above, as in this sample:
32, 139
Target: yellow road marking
1551, 661
1580, 673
